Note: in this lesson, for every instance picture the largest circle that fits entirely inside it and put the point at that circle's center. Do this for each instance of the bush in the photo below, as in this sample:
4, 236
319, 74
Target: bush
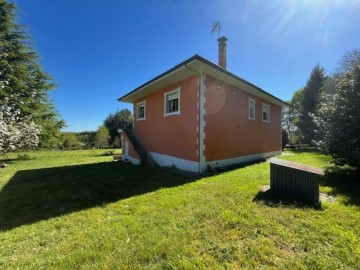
72, 142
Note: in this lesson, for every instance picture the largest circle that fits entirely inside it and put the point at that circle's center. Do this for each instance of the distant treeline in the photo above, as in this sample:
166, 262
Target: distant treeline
89, 140
107, 135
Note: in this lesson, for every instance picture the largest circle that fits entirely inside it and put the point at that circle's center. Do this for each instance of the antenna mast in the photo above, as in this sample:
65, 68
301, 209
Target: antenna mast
216, 27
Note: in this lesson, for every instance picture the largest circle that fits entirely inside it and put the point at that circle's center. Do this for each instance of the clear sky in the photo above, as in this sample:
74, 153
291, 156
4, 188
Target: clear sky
98, 50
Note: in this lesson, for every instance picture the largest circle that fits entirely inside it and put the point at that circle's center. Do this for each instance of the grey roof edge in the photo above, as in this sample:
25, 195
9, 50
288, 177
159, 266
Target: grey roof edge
211, 64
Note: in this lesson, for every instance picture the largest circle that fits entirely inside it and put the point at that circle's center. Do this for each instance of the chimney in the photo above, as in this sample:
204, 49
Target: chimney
222, 52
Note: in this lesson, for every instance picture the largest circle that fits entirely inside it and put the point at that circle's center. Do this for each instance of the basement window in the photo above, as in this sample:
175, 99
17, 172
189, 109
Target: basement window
251, 114
140, 110
172, 102
265, 112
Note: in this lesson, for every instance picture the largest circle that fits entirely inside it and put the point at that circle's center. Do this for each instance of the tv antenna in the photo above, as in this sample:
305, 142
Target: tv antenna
216, 27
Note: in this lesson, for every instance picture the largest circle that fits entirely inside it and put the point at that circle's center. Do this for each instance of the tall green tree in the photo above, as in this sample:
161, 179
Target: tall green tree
309, 103
27, 85
111, 122
291, 117
102, 137
338, 114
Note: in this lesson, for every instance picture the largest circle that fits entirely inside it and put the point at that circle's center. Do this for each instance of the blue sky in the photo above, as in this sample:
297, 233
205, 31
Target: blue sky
98, 50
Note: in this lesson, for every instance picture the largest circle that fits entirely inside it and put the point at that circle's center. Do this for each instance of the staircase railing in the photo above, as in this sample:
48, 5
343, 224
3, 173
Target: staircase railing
127, 127
137, 145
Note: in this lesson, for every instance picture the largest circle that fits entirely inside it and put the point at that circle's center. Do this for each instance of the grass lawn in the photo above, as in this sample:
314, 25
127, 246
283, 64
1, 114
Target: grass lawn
81, 210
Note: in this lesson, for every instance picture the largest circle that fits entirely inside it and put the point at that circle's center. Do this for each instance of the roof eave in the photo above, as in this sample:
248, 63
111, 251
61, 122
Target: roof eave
198, 64
126, 98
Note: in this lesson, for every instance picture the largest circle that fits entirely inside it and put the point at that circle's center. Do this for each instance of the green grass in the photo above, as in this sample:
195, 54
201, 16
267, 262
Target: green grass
308, 157
81, 210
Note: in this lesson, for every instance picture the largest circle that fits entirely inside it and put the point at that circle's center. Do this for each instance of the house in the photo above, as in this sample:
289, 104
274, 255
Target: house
198, 114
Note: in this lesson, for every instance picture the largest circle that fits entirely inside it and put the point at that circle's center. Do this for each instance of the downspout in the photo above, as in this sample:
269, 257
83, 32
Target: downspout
201, 120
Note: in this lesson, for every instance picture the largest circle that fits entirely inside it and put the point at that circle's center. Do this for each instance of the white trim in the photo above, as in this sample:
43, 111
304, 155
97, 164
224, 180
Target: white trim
202, 123
179, 163
178, 91
262, 113
241, 159
157, 80
137, 110
250, 100
131, 159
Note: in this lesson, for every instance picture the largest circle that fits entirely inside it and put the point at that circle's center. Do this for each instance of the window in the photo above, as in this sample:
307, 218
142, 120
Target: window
266, 112
251, 115
140, 110
172, 102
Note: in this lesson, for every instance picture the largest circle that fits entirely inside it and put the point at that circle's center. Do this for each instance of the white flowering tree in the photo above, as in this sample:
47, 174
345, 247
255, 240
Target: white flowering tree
24, 89
338, 114
16, 131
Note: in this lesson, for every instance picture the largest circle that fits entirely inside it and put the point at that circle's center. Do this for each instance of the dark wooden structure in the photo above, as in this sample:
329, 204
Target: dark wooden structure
295, 181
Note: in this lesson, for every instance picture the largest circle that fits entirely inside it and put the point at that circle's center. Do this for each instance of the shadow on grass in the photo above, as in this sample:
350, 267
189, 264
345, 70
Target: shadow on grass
233, 167
24, 157
270, 199
343, 181
40, 194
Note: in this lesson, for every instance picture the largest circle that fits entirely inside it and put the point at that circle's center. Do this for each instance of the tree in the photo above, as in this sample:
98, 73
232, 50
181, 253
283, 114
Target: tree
112, 122
309, 103
27, 86
87, 138
102, 137
71, 141
338, 114
284, 138
348, 61
16, 132
291, 117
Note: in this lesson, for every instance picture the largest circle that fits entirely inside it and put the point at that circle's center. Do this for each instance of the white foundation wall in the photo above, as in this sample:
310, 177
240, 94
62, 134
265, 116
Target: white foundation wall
179, 163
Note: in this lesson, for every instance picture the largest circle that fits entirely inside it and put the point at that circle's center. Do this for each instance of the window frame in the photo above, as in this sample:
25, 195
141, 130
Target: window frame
268, 112
166, 100
138, 105
252, 101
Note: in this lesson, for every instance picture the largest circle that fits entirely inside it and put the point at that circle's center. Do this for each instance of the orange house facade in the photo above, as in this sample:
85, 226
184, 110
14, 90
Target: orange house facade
198, 115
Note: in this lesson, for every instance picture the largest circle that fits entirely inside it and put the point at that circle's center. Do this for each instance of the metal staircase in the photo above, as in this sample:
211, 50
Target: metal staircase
139, 148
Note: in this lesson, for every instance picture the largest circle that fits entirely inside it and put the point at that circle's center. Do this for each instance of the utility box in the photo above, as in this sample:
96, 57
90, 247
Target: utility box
295, 181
